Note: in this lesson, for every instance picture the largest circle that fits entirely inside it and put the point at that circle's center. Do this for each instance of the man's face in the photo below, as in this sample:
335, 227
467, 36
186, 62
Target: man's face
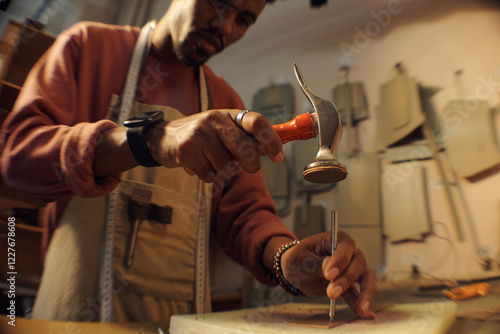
203, 28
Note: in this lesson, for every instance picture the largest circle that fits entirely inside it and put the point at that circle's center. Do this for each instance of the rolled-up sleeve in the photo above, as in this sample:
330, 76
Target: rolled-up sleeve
44, 153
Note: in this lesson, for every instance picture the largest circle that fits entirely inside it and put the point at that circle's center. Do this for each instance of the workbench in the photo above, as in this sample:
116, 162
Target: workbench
428, 318
423, 309
427, 311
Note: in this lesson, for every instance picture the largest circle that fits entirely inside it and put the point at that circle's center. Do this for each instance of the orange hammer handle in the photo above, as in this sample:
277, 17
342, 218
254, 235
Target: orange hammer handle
299, 128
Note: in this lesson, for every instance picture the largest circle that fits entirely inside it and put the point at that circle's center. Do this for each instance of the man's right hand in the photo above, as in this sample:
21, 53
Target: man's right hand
210, 143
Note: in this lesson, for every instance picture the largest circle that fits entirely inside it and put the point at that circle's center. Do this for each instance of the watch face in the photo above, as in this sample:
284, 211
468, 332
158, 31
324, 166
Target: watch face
144, 118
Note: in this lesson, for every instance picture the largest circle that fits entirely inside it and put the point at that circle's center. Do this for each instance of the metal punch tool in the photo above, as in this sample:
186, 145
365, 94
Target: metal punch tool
334, 247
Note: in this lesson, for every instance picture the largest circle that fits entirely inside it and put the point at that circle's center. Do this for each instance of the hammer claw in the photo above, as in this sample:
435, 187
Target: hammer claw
325, 169
315, 100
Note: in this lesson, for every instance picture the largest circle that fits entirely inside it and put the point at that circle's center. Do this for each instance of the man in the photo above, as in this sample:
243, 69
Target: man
89, 168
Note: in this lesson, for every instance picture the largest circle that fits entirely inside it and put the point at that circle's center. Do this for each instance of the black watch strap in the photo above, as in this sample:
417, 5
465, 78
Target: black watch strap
136, 128
139, 147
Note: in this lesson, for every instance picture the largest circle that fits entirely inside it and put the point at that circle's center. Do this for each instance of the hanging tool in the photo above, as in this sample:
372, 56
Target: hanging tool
140, 208
428, 131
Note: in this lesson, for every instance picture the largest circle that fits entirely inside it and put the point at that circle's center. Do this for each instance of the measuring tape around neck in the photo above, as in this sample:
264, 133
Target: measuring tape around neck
127, 100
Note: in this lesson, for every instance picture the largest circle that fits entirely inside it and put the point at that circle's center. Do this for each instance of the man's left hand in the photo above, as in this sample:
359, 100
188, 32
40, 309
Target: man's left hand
312, 268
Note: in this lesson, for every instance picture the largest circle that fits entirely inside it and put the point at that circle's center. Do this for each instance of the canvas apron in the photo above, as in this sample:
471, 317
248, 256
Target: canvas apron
169, 272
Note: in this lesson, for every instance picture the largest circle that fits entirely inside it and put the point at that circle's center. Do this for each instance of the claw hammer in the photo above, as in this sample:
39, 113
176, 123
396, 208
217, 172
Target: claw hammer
325, 123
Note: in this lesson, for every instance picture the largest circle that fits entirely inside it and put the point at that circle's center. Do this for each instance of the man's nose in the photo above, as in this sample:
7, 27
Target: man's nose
223, 22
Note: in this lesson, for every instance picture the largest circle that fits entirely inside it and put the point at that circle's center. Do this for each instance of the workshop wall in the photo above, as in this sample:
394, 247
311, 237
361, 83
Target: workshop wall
59, 15
432, 41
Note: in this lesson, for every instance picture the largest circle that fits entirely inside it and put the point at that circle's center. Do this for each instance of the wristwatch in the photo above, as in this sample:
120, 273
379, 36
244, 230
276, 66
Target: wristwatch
136, 128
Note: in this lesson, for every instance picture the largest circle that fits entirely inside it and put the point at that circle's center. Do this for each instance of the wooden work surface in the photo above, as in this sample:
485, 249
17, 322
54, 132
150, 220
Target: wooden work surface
418, 308
293, 318
26, 326
411, 293
417, 311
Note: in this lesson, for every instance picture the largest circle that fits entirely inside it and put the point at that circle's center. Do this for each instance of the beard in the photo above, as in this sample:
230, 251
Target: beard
187, 59
193, 49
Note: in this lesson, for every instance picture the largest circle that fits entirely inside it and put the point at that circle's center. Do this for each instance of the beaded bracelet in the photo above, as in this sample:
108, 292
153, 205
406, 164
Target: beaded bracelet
278, 271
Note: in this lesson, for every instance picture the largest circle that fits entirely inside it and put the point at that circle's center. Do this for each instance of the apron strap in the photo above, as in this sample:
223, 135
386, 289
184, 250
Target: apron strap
121, 113
139, 58
206, 102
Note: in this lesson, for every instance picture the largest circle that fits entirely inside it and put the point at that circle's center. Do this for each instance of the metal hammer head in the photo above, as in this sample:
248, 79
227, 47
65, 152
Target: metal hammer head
325, 169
